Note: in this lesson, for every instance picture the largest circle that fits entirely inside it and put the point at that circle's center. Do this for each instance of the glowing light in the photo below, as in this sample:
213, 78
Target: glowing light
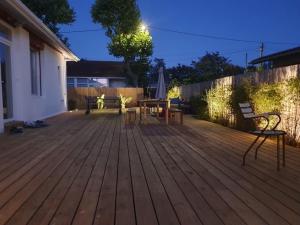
144, 27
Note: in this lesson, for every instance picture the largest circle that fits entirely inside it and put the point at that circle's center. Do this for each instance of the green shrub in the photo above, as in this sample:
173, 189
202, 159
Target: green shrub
100, 102
174, 92
267, 98
199, 107
241, 94
218, 100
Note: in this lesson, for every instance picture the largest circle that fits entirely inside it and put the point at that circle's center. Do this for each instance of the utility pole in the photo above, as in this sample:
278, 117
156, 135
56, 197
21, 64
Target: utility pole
261, 49
246, 62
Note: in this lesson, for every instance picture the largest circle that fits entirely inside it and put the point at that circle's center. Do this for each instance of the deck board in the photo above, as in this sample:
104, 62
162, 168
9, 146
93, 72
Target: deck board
87, 170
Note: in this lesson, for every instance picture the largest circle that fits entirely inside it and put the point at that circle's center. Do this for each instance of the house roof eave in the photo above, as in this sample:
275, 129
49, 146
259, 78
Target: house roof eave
28, 18
276, 55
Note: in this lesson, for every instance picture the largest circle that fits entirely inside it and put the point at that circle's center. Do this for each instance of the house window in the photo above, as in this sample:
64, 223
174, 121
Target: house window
35, 64
82, 82
71, 82
98, 82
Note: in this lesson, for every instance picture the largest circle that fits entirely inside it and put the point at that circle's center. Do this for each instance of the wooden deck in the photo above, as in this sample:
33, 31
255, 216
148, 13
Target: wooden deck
86, 170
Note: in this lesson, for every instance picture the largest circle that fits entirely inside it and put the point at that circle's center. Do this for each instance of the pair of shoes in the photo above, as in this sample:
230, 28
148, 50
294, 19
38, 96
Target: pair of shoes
35, 124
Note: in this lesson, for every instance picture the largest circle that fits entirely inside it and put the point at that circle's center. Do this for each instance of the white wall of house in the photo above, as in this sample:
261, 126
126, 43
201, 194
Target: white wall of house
53, 100
53, 79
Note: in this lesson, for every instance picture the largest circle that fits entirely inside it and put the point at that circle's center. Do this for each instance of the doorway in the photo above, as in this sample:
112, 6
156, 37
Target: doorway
6, 80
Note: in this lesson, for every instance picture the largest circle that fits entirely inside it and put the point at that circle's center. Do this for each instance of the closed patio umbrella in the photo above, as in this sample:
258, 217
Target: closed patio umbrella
161, 87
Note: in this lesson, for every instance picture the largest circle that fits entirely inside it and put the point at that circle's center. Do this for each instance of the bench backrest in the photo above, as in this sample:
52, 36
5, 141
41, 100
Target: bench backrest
109, 101
247, 110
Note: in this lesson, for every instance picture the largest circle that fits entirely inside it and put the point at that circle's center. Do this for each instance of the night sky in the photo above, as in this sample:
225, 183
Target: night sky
256, 20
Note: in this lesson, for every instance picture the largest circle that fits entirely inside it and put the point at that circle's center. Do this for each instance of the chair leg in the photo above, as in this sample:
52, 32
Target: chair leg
278, 152
260, 144
248, 150
283, 150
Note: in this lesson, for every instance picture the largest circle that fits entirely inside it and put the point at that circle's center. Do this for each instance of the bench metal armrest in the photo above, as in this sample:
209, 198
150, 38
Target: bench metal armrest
278, 118
267, 115
262, 116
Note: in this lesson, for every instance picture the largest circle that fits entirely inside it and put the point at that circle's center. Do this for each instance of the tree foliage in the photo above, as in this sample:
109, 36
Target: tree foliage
210, 66
53, 13
183, 74
121, 20
133, 46
213, 66
116, 16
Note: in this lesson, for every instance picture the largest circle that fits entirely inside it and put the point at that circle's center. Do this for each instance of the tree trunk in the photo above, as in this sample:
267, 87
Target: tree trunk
131, 74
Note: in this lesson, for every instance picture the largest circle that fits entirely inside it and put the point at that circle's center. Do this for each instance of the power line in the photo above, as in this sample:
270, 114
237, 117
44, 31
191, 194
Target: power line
194, 35
81, 31
220, 37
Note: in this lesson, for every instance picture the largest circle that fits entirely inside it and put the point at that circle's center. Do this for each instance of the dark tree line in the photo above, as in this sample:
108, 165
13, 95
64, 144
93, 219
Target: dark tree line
208, 67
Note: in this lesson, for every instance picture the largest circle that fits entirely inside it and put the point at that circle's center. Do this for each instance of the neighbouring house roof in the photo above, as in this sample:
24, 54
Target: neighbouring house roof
87, 68
282, 58
15, 12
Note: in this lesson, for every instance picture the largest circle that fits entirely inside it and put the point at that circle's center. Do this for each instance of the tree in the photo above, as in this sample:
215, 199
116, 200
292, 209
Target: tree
116, 16
53, 13
183, 74
141, 69
213, 66
121, 19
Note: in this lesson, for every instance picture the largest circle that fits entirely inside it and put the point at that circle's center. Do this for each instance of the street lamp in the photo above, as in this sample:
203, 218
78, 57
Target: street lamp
143, 27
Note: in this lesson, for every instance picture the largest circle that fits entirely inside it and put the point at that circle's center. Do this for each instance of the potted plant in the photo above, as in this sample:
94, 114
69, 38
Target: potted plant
100, 102
124, 100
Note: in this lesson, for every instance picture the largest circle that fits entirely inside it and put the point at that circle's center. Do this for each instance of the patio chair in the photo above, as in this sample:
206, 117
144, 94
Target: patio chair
264, 133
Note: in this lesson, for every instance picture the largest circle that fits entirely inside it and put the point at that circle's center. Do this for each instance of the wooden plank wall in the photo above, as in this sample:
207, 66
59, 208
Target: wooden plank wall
79, 94
268, 76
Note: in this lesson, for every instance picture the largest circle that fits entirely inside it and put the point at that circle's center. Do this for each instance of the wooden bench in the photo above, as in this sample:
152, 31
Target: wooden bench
176, 114
109, 102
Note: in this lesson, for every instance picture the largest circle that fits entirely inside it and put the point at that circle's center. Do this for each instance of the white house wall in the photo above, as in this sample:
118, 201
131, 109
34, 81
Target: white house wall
27, 107
53, 98
20, 73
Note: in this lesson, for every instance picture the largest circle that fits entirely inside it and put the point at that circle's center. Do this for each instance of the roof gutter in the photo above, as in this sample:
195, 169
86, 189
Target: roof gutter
41, 27
276, 55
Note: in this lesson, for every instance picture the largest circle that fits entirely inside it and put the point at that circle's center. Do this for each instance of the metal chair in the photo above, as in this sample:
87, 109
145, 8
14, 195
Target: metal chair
266, 132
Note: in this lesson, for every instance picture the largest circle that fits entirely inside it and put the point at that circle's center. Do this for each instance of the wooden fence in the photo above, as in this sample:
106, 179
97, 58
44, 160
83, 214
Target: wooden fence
78, 94
290, 109
268, 76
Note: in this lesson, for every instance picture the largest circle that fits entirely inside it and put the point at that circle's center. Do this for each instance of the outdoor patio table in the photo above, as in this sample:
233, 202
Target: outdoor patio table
158, 103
